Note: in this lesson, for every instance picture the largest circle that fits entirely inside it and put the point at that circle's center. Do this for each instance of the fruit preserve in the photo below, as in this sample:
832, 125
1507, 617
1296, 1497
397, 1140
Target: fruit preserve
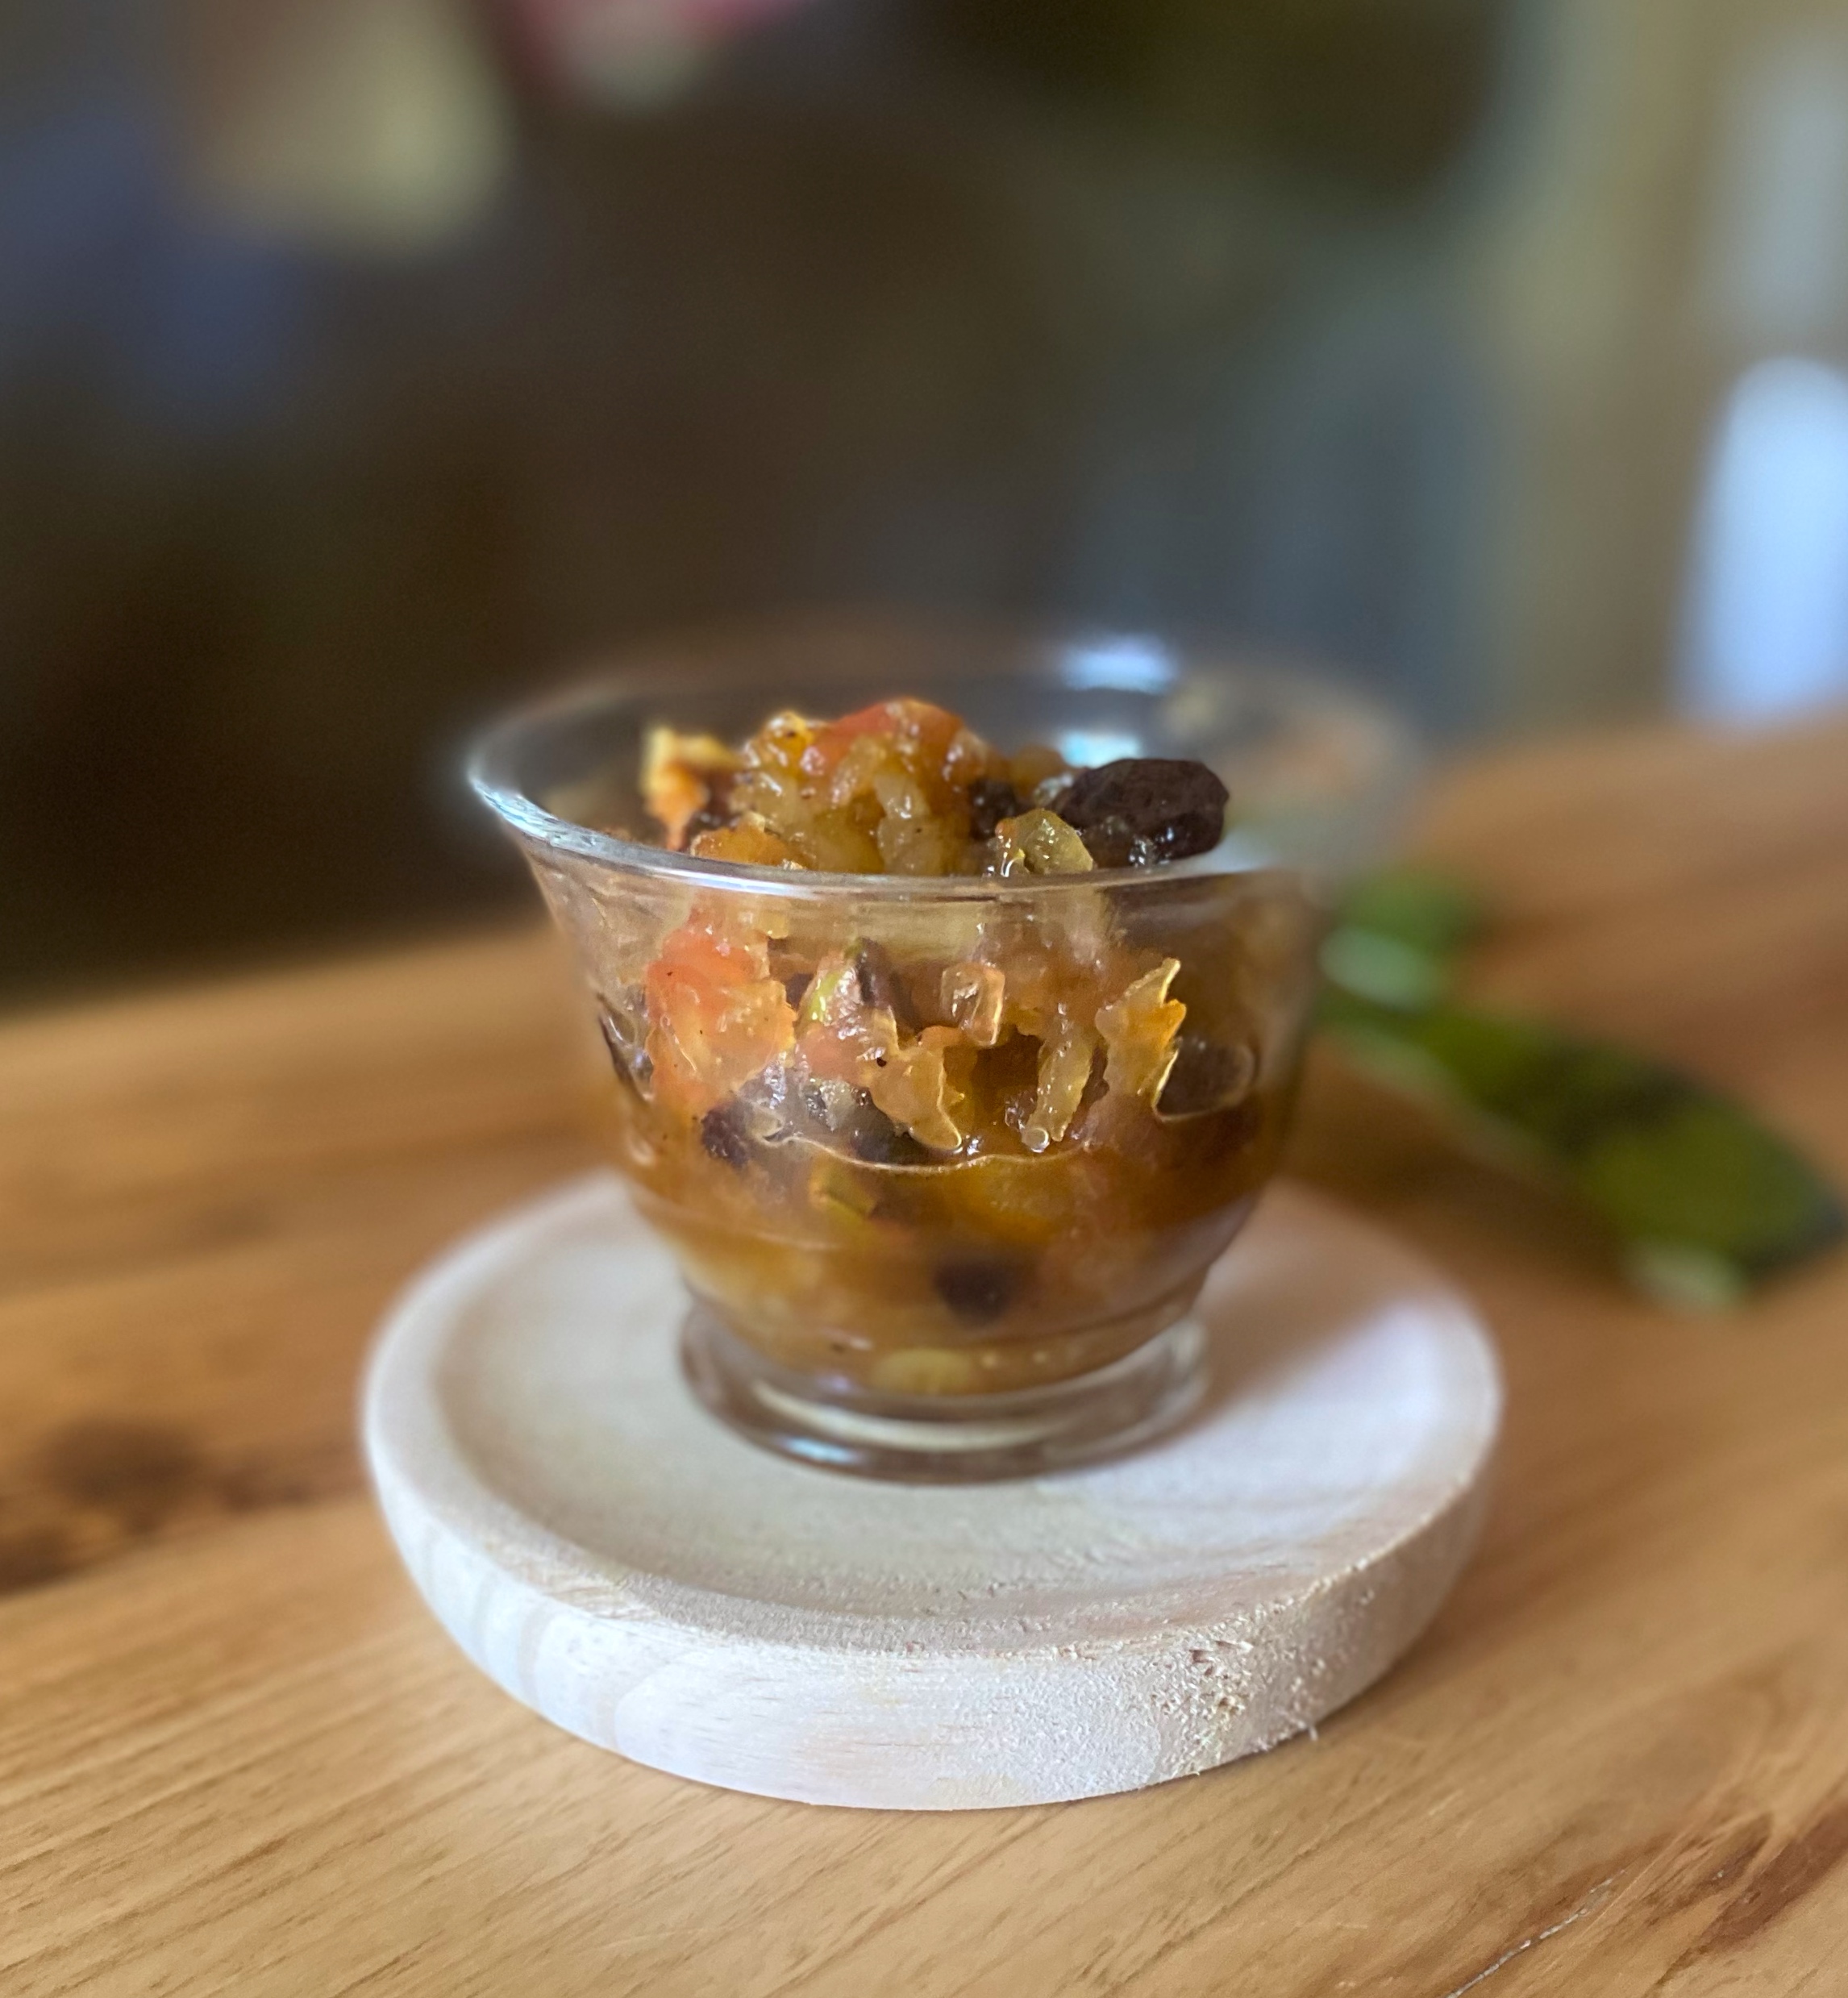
948, 1070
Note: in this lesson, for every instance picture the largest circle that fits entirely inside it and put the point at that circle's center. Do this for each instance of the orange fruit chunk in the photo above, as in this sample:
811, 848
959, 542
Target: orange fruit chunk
884, 791
717, 1017
749, 839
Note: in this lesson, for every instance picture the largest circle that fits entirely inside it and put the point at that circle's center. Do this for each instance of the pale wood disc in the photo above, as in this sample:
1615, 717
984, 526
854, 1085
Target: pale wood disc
608, 1553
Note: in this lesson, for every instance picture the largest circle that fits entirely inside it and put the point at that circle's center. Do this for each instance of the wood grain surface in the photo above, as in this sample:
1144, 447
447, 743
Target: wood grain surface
237, 1756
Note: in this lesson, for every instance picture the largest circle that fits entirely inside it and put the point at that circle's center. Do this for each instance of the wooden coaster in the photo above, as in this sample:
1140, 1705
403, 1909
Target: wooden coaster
607, 1552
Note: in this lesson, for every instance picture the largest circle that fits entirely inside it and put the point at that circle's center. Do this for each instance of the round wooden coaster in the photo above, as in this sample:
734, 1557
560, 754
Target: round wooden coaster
604, 1550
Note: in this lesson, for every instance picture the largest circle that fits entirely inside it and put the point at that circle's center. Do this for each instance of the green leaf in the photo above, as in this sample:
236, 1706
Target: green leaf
1397, 938
1372, 965
1704, 1198
1430, 912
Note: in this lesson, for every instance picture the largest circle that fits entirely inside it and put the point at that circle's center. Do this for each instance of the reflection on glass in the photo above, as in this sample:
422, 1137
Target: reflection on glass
1132, 665
1767, 632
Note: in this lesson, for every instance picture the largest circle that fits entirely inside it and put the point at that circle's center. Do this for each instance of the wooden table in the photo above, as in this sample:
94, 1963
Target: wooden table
237, 1755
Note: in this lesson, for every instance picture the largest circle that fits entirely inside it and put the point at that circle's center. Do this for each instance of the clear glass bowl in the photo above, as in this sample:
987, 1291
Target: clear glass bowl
1012, 1294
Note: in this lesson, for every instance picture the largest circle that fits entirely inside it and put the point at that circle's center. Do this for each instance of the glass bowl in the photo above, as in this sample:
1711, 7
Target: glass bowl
976, 1257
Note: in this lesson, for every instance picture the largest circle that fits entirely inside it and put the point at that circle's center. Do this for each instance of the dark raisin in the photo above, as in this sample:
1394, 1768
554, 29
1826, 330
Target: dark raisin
991, 800
977, 1287
1141, 810
720, 1133
708, 818
795, 985
1206, 1075
881, 985
1112, 844
716, 813
873, 1136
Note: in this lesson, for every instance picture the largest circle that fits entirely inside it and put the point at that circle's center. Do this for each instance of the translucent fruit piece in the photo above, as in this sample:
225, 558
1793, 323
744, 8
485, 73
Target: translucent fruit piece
914, 1088
716, 1017
913, 836
1037, 842
776, 783
973, 995
927, 737
919, 1084
829, 1019
749, 839
1139, 1030
882, 791
1064, 1070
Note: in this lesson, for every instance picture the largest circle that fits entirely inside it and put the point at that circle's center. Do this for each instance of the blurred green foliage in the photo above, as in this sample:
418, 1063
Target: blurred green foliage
1702, 1199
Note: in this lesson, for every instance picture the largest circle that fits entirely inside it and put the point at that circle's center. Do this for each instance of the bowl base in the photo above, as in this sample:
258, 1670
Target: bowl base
946, 1439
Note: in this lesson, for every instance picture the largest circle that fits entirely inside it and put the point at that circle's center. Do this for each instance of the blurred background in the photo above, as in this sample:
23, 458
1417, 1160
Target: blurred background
364, 363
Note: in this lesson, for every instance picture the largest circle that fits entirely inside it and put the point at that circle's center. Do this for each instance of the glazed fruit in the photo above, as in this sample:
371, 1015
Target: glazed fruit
904, 788
945, 1144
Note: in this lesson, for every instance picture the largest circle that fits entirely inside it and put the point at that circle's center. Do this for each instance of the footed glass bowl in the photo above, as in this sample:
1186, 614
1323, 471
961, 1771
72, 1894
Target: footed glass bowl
978, 1260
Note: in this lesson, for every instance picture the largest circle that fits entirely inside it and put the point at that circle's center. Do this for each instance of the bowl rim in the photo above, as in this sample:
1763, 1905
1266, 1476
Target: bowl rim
1047, 651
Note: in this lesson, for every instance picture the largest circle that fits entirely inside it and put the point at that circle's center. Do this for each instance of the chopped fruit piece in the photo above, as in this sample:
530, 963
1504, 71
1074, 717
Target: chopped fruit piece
914, 1082
829, 1005
1139, 1030
1145, 809
683, 777
1037, 842
1064, 1070
832, 1101
903, 787
718, 1019
748, 839
991, 800
885, 790
915, 1086
973, 995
